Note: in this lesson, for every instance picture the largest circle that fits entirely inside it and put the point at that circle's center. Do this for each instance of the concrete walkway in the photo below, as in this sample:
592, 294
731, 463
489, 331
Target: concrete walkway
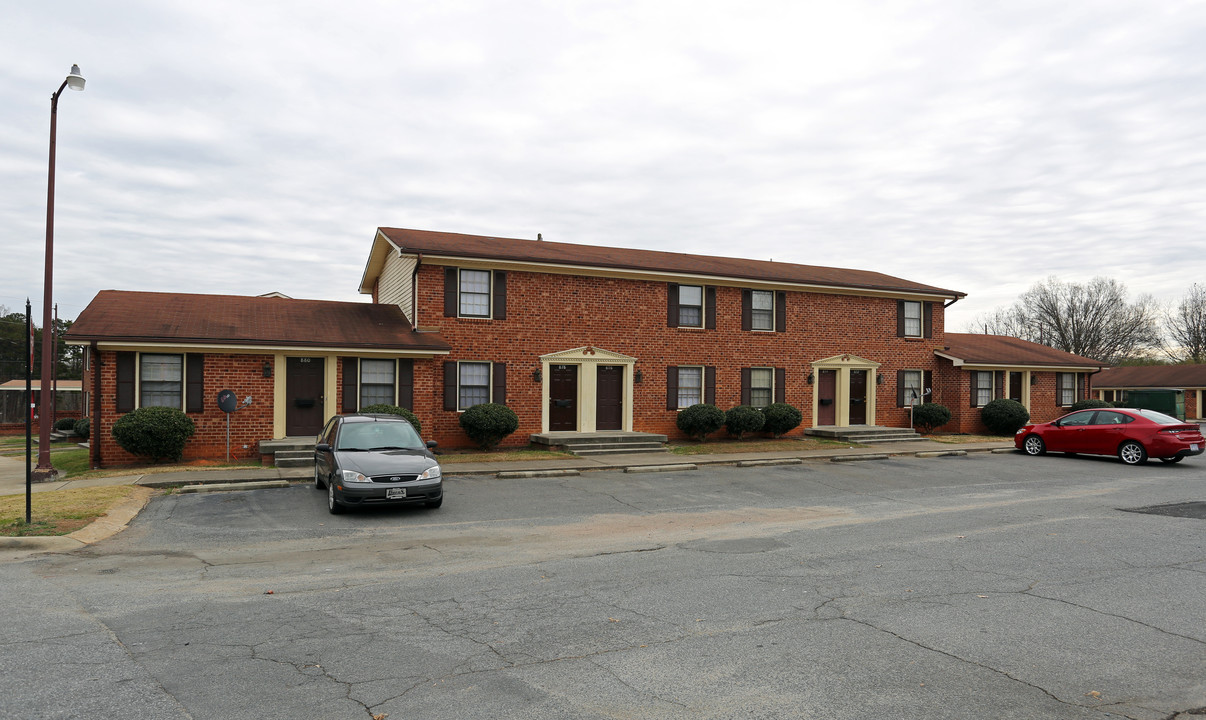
12, 477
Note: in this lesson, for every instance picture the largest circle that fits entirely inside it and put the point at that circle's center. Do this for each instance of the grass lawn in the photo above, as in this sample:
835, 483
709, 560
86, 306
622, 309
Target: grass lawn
956, 439
732, 445
469, 456
58, 512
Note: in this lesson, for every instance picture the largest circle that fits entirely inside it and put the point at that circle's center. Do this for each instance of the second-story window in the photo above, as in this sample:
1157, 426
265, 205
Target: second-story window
475, 293
912, 319
690, 306
762, 310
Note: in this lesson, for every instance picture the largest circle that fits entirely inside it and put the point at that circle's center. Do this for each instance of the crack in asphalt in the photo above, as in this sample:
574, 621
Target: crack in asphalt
1114, 615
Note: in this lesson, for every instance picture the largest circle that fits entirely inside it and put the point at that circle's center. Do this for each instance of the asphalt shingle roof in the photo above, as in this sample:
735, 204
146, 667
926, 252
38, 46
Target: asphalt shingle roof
975, 349
1152, 376
545, 252
126, 316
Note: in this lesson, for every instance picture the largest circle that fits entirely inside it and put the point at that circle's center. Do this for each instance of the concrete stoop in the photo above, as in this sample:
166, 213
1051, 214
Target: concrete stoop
289, 452
602, 443
866, 434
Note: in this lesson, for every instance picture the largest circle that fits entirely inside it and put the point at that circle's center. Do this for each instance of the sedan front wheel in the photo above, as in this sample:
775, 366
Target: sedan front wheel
333, 505
1132, 453
1034, 445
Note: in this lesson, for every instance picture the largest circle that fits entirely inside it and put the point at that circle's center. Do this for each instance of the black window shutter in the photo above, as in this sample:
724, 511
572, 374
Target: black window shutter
500, 383
900, 318
710, 385
710, 308
672, 388
194, 391
973, 387
780, 311
780, 385
747, 310
998, 381
450, 296
406, 384
901, 400
927, 383
125, 381
927, 319
351, 385
450, 386
1080, 386
672, 305
745, 385
500, 295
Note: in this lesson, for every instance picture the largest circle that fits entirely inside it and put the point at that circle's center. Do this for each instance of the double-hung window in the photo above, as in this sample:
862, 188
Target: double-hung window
1065, 389
762, 310
912, 319
474, 293
981, 388
377, 382
690, 386
762, 386
690, 305
473, 384
912, 389
161, 380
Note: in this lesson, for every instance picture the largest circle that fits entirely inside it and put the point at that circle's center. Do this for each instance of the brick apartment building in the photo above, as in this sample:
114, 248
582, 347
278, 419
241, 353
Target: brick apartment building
573, 338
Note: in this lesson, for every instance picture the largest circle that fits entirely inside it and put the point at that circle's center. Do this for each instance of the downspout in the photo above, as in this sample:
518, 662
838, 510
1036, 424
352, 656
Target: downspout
94, 433
414, 293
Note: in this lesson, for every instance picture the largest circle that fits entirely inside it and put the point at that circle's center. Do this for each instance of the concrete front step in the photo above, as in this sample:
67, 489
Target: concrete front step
865, 434
594, 452
602, 443
289, 452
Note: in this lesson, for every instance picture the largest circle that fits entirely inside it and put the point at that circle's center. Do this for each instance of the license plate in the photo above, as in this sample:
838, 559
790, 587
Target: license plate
1193, 446
395, 493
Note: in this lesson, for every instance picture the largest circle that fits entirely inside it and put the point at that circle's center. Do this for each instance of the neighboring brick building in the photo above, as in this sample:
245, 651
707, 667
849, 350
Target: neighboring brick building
1186, 381
573, 338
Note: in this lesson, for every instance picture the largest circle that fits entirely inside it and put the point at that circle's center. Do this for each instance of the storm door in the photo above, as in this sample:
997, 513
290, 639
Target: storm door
858, 397
609, 402
304, 380
563, 398
827, 397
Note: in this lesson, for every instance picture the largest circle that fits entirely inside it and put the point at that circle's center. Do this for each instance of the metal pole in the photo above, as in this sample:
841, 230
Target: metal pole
45, 468
28, 412
54, 395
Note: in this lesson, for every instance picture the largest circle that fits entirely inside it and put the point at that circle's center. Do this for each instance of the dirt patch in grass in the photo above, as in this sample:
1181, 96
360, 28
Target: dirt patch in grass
733, 445
522, 454
957, 439
59, 512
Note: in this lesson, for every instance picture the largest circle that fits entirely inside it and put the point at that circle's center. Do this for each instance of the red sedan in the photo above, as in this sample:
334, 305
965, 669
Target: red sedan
1132, 435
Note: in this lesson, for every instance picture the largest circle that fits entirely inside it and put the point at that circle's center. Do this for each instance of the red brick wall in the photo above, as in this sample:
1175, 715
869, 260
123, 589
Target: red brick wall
241, 373
552, 313
954, 391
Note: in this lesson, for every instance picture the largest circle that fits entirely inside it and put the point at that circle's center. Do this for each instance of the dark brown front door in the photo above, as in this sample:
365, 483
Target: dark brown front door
304, 412
858, 397
1015, 386
563, 398
826, 396
609, 402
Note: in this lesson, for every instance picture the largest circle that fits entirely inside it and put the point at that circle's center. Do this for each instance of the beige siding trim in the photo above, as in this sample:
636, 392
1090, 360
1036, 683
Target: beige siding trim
394, 284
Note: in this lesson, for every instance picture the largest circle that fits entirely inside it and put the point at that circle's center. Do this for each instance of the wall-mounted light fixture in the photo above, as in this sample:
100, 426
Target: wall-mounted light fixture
637, 376
1033, 378
537, 375
810, 377
879, 378
267, 369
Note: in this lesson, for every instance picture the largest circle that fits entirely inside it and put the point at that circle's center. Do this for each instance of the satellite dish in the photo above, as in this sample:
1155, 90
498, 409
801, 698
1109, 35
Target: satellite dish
228, 402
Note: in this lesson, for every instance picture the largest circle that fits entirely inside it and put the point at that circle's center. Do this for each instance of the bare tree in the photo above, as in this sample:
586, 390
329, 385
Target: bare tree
1185, 328
1093, 320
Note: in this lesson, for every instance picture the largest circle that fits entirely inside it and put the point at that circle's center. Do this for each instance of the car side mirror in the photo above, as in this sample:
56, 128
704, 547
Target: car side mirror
431, 445
322, 447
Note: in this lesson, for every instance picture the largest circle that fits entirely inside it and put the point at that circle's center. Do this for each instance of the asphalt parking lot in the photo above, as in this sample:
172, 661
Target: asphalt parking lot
994, 586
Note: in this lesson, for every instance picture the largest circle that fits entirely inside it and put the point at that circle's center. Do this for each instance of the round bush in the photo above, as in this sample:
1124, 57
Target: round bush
82, 427
928, 416
699, 420
154, 432
743, 419
383, 409
1090, 403
781, 418
1004, 417
487, 424
65, 424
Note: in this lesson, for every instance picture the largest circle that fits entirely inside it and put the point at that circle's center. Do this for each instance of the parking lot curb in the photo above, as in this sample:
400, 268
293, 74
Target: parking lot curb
516, 474
776, 461
856, 458
941, 453
660, 468
225, 487
1002, 451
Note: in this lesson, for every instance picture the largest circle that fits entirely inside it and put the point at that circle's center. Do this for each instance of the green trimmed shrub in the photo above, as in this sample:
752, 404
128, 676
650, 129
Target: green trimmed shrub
928, 416
700, 420
743, 419
154, 432
1090, 403
1004, 417
383, 409
781, 418
487, 424
82, 427
65, 424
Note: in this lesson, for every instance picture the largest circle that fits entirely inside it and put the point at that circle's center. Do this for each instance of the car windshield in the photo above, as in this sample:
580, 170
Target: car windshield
1159, 417
379, 435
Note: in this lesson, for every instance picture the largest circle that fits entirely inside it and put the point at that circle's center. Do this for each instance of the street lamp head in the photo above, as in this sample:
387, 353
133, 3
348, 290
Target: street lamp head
75, 81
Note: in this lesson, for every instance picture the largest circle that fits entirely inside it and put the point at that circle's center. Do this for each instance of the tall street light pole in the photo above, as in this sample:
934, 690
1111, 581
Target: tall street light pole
45, 470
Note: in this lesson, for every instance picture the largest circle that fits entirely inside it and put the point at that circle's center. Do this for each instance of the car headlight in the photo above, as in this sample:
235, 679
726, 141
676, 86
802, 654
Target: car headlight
351, 476
1020, 431
430, 473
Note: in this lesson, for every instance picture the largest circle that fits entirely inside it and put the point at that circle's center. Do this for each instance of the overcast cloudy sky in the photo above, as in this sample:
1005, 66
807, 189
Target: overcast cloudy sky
249, 147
